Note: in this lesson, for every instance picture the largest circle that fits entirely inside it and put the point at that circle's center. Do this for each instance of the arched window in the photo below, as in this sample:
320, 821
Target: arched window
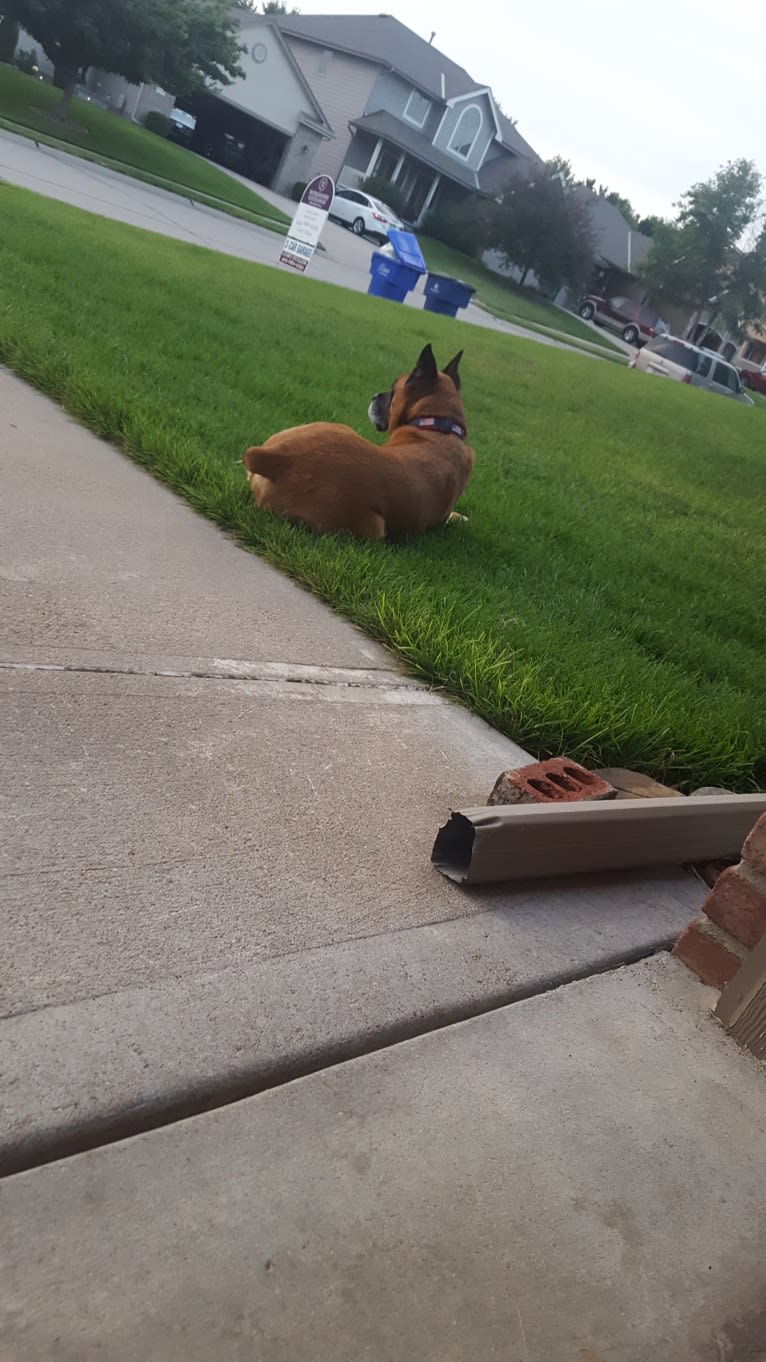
467, 129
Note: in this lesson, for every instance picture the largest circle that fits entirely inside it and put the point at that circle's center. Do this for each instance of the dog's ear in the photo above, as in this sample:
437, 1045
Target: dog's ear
425, 372
451, 369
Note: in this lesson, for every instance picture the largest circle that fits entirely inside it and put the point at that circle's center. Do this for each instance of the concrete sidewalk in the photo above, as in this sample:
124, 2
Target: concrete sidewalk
220, 802
575, 1178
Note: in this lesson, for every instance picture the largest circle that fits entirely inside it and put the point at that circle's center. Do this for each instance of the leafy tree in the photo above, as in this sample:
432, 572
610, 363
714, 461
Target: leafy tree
742, 301
179, 44
559, 165
649, 225
268, 7
698, 259
539, 225
9, 36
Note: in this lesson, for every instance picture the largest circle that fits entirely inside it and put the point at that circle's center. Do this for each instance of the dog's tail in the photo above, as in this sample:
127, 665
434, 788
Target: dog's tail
268, 462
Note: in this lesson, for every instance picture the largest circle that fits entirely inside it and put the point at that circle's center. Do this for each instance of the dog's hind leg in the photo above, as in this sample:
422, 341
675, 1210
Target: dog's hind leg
368, 525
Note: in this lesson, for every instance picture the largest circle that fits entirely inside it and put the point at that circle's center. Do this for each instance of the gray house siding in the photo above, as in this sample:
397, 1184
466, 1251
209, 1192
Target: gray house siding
450, 124
301, 156
342, 85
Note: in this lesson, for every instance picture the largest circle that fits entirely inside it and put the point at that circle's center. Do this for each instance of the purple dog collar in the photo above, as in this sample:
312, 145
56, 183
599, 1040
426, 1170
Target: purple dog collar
440, 423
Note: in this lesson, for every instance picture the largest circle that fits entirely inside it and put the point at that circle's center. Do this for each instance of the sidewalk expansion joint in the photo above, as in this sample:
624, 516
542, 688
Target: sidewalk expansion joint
182, 1105
279, 672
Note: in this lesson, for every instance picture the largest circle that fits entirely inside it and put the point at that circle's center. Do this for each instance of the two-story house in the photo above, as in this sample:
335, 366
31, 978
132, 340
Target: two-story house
356, 95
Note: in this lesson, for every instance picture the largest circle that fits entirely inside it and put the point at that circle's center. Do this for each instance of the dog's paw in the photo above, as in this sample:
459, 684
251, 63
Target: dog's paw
455, 517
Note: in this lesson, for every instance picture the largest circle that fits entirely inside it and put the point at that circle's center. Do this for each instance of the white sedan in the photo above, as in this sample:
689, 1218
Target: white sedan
364, 214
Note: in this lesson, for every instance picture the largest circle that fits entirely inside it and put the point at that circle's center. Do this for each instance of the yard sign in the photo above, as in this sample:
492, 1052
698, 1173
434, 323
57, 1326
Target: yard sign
306, 227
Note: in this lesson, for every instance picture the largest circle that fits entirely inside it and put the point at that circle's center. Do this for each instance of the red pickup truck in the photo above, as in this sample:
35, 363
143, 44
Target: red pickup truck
755, 379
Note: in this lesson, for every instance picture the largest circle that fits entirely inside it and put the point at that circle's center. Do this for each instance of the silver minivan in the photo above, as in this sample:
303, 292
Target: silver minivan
673, 358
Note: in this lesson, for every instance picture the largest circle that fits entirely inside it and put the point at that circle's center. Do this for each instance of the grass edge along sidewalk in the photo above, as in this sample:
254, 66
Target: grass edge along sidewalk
126, 148
506, 300
603, 599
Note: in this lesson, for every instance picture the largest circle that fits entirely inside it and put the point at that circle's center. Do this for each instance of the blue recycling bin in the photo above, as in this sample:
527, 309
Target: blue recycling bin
446, 295
394, 276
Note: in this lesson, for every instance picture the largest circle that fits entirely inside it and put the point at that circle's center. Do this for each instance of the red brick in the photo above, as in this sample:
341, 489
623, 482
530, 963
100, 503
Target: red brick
706, 956
754, 850
738, 906
558, 781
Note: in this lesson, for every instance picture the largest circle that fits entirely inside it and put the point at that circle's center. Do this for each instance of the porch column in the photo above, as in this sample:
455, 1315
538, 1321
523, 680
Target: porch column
398, 167
428, 199
373, 158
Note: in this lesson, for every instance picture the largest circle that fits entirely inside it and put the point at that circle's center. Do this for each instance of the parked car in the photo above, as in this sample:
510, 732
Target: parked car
364, 214
673, 358
182, 127
635, 322
755, 379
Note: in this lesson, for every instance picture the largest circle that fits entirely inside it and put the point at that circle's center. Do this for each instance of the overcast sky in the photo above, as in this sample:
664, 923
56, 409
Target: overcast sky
647, 96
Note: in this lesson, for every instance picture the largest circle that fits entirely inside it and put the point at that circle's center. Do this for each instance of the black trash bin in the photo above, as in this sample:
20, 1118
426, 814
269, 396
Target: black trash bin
445, 294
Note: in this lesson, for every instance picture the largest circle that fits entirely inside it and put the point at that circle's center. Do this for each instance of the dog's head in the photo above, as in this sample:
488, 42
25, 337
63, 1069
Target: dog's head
424, 392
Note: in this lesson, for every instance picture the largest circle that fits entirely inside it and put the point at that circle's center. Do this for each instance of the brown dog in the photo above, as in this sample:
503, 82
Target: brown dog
331, 479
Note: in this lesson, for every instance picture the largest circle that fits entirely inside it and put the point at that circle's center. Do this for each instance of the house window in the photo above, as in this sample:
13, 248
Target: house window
417, 109
467, 129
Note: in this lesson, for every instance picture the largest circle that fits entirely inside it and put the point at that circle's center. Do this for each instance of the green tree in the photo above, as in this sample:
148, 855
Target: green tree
9, 36
268, 7
559, 165
742, 301
699, 259
649, 225
541, 226
179, 44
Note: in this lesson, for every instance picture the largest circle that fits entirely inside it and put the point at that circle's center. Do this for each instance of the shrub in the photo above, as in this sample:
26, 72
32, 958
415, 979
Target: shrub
157, 122
459, 226
297, 190
385, 191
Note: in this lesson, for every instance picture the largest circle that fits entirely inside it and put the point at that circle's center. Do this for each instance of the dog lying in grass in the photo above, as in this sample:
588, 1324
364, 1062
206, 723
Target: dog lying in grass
330, 478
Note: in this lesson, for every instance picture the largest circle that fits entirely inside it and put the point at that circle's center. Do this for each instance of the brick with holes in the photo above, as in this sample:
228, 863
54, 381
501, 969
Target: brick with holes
557, 781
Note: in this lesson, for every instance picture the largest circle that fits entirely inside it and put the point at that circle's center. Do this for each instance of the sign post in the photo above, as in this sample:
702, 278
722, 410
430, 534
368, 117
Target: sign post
306, 227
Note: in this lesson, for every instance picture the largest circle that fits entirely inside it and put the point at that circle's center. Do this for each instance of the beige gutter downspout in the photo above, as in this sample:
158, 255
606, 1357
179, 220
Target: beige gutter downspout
534, 841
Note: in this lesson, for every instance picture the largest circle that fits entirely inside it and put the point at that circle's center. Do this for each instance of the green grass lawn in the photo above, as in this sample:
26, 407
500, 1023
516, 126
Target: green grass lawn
504, 299
605, 598
29, 103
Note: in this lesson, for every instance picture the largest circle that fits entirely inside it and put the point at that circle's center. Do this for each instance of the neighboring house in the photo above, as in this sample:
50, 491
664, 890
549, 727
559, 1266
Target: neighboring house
351, 96
620, 249
132, 101
104, 89
752, 350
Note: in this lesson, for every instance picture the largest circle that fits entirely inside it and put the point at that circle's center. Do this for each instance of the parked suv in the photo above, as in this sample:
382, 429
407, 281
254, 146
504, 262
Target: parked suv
673, 358
362, 213
636, 323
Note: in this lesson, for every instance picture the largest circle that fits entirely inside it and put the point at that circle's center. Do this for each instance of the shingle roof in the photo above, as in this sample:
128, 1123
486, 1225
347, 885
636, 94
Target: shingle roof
613, 232
383, 39
384, 124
